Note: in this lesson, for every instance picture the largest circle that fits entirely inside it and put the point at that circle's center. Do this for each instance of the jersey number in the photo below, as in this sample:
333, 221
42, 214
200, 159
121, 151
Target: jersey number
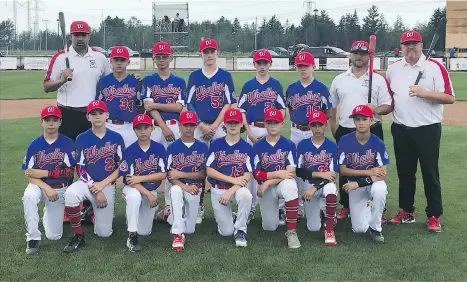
109, 164
310, 109
237, 171
126, 104
217, 101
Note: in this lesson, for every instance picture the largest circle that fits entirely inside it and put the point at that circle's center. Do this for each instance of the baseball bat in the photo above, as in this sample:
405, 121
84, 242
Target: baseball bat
430, 50
61, 19
370, 71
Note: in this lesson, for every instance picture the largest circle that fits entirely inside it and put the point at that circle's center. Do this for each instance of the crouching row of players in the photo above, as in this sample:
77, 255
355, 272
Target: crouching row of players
230, 162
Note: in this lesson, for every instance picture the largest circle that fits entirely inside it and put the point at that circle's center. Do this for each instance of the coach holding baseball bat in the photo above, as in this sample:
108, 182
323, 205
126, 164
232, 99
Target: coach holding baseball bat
416, 127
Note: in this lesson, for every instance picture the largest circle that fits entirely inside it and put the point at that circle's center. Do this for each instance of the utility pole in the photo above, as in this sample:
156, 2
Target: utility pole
256, 31
309, 6
103, 26
46, 34
15, 20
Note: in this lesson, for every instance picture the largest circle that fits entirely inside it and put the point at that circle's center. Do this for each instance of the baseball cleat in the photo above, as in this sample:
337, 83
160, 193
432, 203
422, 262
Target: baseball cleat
403, 217
133, 243
281, 217
433, 224
344, 213
329, 238
32, 247
76, 243
178, 243
234, 217
251, 216
240, 239
292, 239
376, 235
200, 217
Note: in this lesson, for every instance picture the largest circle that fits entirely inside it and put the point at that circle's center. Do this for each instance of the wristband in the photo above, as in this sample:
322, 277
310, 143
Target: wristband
260, 175
364, 181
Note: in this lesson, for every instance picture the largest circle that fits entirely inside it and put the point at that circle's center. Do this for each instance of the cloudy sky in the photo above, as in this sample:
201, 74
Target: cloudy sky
246, 10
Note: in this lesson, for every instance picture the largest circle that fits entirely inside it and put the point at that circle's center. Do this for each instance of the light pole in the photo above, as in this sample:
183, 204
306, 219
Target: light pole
315, 27
46, 33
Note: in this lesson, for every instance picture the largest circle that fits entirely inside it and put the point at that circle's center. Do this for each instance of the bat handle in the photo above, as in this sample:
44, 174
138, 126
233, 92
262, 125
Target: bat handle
419, 76
67, 62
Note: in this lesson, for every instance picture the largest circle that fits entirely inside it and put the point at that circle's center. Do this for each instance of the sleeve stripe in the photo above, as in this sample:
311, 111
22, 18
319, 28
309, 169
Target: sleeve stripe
211, 158
378, 159
290, 159
227, 94
190, 95
51, 65
446, 78
248, 164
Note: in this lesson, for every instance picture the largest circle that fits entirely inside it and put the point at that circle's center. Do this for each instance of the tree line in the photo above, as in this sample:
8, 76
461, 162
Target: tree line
314, 30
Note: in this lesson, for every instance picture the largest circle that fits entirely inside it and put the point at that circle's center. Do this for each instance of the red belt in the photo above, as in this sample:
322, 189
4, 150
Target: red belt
223, 187
79, 109
259, 124
58, 186
301, 127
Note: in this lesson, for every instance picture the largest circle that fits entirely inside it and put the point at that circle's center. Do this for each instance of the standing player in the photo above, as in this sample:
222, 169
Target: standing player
143, 168
258, 95
350, 89
416, 127
49, 167
186, 167
362, 160
229, 169
99, 156
317, 168
275, 162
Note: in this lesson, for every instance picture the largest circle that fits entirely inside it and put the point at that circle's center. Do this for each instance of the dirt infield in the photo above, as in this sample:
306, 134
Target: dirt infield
9, 109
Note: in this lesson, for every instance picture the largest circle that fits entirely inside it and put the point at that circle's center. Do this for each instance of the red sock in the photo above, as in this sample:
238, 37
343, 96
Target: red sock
74, 213
331, 204
291, 213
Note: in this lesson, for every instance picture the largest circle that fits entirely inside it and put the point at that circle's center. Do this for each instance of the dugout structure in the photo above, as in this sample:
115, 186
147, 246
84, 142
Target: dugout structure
456, 26
170, 23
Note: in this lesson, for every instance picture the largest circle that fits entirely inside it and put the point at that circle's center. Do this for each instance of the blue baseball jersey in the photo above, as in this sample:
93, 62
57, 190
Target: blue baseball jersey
232, 160
302, 101
207, 96
356, 156
98, 158
168, 91
42, 155
137, 161
187, 158
320, 158
256, 98
272, 157
121, 97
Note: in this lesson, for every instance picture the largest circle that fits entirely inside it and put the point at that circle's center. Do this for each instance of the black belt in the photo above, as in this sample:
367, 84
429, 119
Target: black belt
418, 127
301, 127
78, 109
259, 124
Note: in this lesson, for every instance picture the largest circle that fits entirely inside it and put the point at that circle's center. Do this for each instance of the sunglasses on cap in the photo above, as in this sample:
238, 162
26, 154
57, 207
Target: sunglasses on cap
357, 48
161, 57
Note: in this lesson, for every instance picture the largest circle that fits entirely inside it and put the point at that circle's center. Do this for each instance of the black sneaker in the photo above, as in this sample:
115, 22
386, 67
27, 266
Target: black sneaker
133, 243
76, 243
376, 235
32, 247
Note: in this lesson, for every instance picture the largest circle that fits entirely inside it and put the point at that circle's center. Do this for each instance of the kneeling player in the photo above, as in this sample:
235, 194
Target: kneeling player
229, 168
143, 168
99, 155
275, 162
363, 159
187, 172
49, 167
317, 169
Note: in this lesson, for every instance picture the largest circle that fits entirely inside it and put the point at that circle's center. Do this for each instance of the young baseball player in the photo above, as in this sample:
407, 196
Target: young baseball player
362, 160
259, 94
229, 168
121, 92
186, 166
49, 166
163, 94
275, 162
317, 169
143, 168
99, 152
210, 92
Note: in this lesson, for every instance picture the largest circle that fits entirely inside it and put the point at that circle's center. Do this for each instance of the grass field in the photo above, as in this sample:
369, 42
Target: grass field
28, 84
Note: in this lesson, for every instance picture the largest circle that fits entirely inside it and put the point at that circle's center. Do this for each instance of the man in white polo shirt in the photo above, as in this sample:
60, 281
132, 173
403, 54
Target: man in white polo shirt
87, 66
349, 90
416, 128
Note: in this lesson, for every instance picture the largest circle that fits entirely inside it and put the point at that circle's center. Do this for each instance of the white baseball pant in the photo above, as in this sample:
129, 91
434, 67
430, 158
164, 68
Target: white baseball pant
253, 184
219, 133
223, 214
125, 130
53, 213
139, 214
269, 203
79, 191
184, 210
363, 216
312, 207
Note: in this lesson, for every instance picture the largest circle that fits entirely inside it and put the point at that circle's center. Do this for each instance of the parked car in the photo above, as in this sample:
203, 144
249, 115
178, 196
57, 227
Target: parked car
281, 51
102, 50
273, 54
321, 52
132, 53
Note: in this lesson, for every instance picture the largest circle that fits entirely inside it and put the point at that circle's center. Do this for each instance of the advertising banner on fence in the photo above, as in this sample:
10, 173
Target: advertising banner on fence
337, 63
196, 62
135, 64
36, 63
458, 64
8, 63
247, 64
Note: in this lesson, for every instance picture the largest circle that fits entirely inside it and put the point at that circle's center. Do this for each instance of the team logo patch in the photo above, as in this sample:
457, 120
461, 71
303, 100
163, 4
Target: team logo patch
92, 64
124, 166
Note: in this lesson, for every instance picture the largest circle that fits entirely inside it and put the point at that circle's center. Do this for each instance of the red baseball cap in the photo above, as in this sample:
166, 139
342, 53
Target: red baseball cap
262, 55
362, 110
208, 43
273, 114
304, 58
411, 36
162, 48
97, 105
188, 117
317, 116
51, 111
233, 115
80, 27
120, 52
360, 46
142, 119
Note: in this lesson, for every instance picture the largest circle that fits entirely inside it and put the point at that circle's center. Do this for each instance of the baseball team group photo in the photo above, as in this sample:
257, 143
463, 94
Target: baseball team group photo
189, 163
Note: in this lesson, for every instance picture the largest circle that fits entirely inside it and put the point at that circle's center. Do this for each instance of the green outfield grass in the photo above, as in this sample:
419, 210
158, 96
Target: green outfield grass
28, 84
409, 253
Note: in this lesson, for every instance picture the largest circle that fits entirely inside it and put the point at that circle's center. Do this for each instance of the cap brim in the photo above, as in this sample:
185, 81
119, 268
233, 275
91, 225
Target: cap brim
352, 116
273, 119
127, 58
410, 41
51, 115
317, 121
210, 47
188, 122
95, 109
150, 124
301, 64
161, 53
262, 59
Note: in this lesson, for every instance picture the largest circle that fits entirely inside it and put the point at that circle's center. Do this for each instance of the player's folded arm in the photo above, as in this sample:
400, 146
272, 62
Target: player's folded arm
213, 173
38, 182
199, 175
66, 172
